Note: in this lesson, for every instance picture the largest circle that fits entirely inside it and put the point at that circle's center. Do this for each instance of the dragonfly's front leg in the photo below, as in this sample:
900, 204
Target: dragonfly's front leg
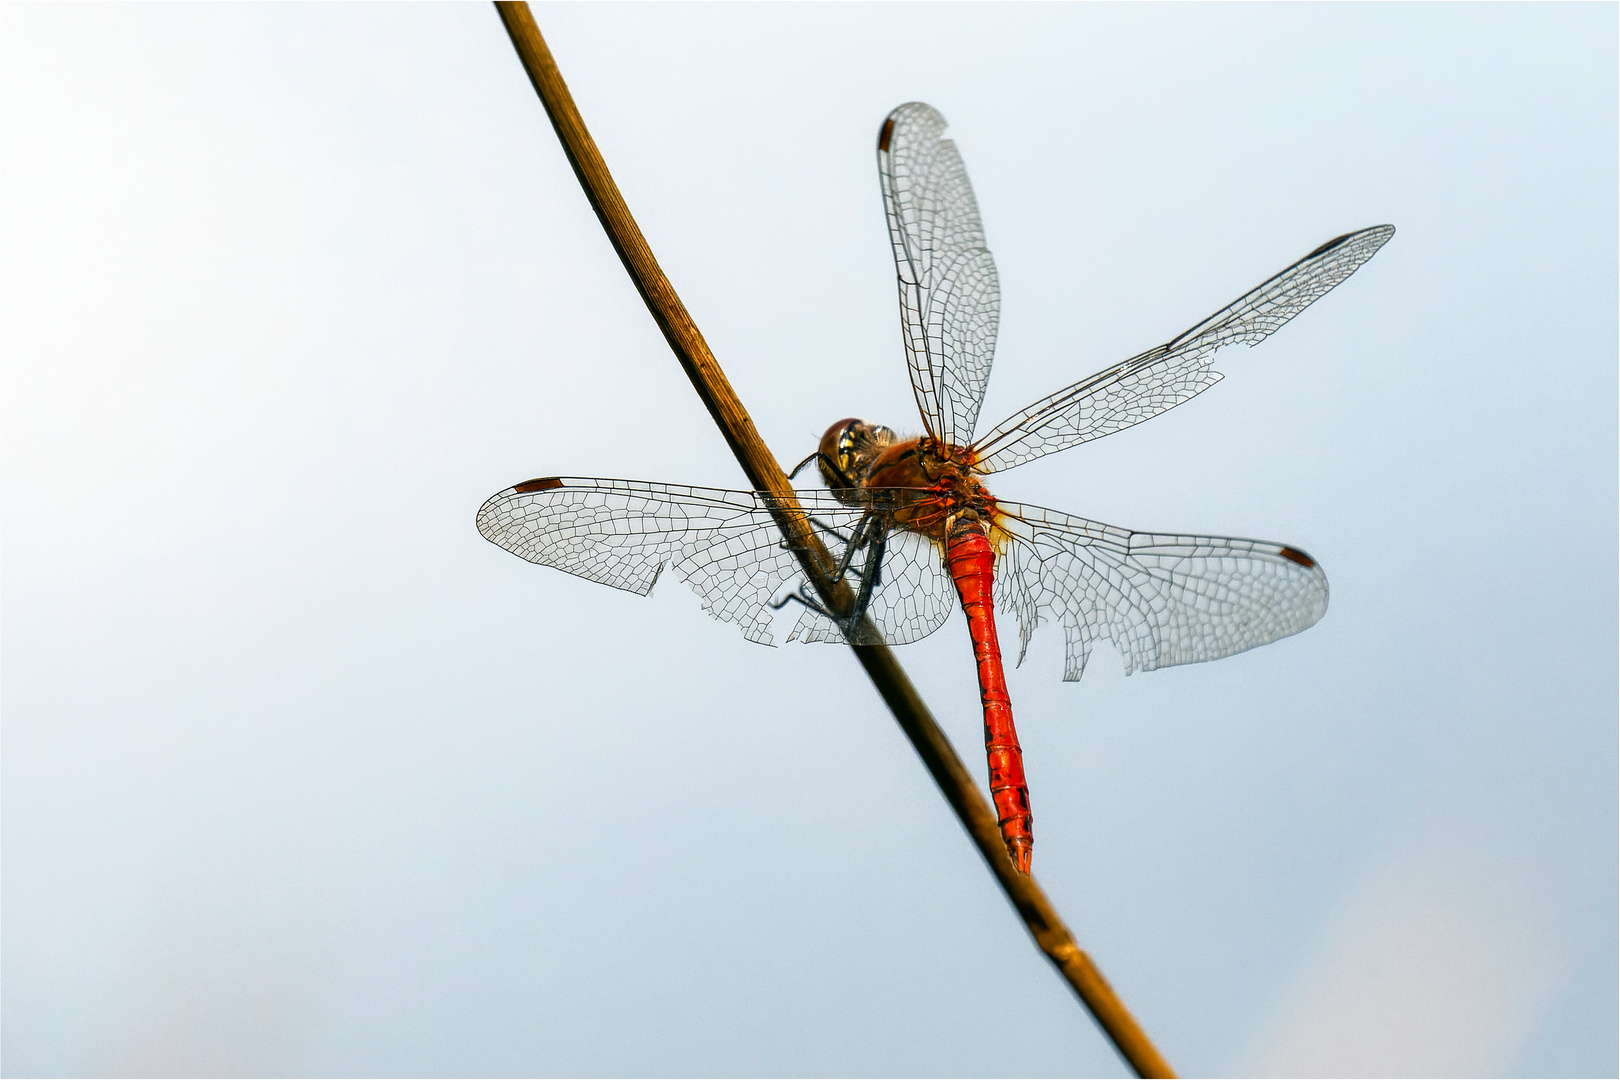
851, 542
826, 463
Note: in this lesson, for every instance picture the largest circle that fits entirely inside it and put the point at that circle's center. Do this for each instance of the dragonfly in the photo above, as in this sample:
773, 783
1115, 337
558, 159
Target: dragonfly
908, 520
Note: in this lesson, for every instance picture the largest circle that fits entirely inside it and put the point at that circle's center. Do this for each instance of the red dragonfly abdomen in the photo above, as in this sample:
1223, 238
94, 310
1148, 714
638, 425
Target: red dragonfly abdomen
971, 560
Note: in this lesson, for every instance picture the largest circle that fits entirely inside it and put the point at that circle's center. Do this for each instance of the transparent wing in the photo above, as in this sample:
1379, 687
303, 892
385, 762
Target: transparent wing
950, 301
1162, 378
724, 544
913, 598
623, 533
1160, 598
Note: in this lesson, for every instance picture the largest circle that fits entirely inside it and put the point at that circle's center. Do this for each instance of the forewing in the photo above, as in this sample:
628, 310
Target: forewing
1160, 598
1161, 378
623, 533
950, 301
913, 598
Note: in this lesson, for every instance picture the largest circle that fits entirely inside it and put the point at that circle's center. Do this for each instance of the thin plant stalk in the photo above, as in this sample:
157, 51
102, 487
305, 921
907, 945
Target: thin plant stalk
765, 474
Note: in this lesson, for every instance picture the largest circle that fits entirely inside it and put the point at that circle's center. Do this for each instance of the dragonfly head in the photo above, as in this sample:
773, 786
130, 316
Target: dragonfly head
849, 448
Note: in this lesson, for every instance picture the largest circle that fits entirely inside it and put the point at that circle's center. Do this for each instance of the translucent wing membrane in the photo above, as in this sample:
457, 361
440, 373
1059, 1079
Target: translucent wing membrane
724, 544
950, 300
1162, 378
1160, 598
913, 598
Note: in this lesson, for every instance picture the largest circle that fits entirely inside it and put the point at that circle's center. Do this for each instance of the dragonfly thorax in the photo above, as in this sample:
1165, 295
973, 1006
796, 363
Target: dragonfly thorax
921, 485
921, 463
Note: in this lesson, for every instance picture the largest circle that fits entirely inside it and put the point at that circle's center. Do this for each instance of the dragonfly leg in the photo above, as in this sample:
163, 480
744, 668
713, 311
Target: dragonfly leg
852, 542
869, 528
797, 597
827, 463
837, 534
870, 575
871, 536
847, 625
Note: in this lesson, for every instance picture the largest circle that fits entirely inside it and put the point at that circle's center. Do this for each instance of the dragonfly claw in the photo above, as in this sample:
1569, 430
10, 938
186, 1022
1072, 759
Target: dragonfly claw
848, 625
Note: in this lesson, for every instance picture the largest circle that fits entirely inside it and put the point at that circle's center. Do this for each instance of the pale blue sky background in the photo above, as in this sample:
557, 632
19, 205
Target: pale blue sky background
301, 776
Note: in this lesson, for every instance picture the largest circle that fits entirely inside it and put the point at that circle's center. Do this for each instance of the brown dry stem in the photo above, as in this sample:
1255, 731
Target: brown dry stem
765, 474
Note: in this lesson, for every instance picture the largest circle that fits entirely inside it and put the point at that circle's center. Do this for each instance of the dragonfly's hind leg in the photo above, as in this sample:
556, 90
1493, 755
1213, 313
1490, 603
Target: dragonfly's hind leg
871, 536
849, 626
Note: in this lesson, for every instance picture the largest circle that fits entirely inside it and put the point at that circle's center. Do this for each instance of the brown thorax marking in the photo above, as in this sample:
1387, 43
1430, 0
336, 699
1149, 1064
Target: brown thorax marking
874, 462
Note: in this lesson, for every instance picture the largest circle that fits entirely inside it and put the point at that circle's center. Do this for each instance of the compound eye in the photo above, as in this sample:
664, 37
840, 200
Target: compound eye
846, 450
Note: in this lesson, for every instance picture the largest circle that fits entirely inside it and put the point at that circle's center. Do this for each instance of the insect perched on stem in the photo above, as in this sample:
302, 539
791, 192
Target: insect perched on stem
909, 521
